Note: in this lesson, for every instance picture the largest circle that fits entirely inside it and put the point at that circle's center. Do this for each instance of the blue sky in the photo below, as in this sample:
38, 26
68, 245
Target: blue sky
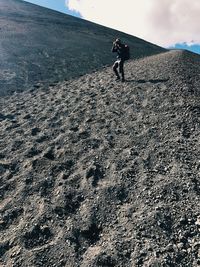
58, 5
193, 48
170, 24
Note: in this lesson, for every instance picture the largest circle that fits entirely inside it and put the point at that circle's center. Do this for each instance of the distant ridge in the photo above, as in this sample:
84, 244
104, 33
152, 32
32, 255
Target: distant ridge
39, 46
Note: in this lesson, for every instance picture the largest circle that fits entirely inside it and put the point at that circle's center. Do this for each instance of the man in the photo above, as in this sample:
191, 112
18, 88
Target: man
119, 48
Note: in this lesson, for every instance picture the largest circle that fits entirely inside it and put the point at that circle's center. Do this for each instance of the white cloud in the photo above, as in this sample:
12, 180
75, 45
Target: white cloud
163, 22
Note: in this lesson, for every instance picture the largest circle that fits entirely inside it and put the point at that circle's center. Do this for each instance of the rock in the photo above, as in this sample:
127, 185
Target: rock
180, 245
198, 222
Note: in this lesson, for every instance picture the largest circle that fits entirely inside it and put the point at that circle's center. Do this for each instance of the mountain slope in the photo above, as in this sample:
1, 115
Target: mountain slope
100, 173
38, 45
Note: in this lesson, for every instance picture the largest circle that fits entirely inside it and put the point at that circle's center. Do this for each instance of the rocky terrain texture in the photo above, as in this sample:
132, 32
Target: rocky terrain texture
96, 172
41, 46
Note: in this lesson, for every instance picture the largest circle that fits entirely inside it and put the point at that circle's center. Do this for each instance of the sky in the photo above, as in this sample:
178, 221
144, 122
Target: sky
168, 23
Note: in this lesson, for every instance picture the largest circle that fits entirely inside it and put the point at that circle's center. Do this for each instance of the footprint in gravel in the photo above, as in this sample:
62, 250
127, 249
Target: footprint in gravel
7, 189
40, 164
45, 187
115, 193
10, 216
2, 156
35, 131
27, 117
17, 144
121, 193
84, 238
42, 138
37, 236
93, 143
9, 169
74, 128
49, 153
4, 166
92, 234
94, 174
63, 167
84, 134
68, 202
6, 116
31, 152
104, 260
4, 247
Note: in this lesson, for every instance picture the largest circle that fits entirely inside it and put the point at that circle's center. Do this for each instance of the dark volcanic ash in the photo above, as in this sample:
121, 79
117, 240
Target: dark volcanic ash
100, 173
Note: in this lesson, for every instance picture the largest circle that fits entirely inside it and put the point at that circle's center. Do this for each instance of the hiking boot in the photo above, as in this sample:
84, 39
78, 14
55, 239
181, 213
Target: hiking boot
117, 79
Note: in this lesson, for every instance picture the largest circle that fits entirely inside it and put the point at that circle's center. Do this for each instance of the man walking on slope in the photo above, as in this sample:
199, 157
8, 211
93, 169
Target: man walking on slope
119, 48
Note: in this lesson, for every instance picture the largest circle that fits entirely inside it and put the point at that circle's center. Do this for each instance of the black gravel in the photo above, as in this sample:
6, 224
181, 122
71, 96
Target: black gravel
102, 173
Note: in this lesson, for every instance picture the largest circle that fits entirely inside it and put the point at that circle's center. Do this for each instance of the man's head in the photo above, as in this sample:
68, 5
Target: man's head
118, 41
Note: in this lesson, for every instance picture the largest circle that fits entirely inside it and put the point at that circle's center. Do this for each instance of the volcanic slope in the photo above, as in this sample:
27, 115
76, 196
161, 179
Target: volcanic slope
102, 173
42, 46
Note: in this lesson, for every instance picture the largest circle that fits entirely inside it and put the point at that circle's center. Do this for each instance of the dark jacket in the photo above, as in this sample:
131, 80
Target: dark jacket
120, 49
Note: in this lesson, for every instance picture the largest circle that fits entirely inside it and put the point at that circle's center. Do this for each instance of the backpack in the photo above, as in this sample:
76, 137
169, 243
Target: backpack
126, 52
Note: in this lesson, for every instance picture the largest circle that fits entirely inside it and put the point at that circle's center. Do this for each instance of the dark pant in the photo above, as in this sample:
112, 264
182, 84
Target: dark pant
119, 63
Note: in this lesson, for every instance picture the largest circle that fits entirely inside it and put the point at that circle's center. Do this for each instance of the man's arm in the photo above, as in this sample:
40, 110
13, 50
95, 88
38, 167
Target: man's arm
114, 48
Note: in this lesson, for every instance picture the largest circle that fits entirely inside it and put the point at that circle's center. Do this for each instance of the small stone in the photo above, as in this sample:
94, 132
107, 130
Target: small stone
157, 208
198, 222
180, 245
169, 247
157, 253
197, 244
183, 220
